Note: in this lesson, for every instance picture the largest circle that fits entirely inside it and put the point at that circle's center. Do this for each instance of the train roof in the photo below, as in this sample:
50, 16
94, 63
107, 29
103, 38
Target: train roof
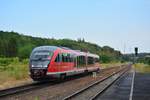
93, 55
53, 48
48, 48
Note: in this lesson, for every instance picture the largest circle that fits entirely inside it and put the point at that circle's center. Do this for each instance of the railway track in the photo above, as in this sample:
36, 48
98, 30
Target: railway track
34, 86
24, 88
92, 91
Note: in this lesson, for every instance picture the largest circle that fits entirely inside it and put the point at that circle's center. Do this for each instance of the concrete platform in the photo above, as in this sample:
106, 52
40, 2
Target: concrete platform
141, 86
121, 89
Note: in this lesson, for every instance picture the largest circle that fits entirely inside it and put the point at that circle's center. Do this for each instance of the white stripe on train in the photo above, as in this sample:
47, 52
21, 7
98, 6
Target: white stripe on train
72, 72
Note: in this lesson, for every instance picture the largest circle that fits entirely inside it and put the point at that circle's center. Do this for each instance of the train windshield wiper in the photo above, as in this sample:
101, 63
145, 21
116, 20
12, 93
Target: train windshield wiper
39, 59
36, 59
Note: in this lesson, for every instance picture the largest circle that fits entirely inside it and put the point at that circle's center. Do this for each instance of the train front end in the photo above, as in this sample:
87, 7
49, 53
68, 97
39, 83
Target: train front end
39, 62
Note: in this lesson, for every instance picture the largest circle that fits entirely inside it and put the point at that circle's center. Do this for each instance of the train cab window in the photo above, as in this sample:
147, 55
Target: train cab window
58, 58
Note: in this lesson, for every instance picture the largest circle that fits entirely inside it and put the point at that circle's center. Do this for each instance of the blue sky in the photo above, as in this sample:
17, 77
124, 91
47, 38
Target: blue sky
116, 23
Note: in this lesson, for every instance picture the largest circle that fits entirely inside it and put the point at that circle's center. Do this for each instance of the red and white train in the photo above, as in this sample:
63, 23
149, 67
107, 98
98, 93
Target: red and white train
59, 62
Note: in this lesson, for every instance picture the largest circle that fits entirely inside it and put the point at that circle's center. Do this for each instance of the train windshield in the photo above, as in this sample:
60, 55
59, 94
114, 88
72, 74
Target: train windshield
40, 58
41, 55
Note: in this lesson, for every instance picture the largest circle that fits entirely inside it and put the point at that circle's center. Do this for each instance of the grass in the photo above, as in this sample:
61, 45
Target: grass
142, 68
106, 65
11, 69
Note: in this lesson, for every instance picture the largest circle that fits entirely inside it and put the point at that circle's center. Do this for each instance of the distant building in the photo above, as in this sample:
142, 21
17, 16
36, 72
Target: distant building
147, 56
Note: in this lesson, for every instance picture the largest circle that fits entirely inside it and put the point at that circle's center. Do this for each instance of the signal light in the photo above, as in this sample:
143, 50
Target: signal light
136, 51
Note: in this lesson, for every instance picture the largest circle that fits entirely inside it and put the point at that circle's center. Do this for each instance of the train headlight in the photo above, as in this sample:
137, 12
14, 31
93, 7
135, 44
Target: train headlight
45, 66
32, 65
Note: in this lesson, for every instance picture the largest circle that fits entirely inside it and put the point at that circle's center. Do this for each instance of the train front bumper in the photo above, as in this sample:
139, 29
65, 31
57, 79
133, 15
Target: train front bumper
38, 73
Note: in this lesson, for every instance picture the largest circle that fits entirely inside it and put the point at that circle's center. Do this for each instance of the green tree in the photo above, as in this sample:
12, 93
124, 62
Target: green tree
24, 51
12, 47
13, 44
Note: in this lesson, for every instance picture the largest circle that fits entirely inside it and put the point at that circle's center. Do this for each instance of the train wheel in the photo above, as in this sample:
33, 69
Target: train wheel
62, 76
86, 72
98, 70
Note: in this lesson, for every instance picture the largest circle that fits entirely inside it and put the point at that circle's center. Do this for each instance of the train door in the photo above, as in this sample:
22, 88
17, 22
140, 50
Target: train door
78, 61
75, 61
58, 61
81, 61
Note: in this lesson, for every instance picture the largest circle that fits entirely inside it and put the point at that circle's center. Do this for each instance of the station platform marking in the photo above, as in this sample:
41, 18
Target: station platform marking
132, 86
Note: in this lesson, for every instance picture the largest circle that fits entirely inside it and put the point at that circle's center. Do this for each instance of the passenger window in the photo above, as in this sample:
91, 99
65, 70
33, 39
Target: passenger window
68, 58
90, 60
96, 60
64, 57
72, 57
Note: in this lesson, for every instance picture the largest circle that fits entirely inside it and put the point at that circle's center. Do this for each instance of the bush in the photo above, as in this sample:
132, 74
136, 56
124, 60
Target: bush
105, 58
5, 61
24, 52
25, 61
17, 71
12, 68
